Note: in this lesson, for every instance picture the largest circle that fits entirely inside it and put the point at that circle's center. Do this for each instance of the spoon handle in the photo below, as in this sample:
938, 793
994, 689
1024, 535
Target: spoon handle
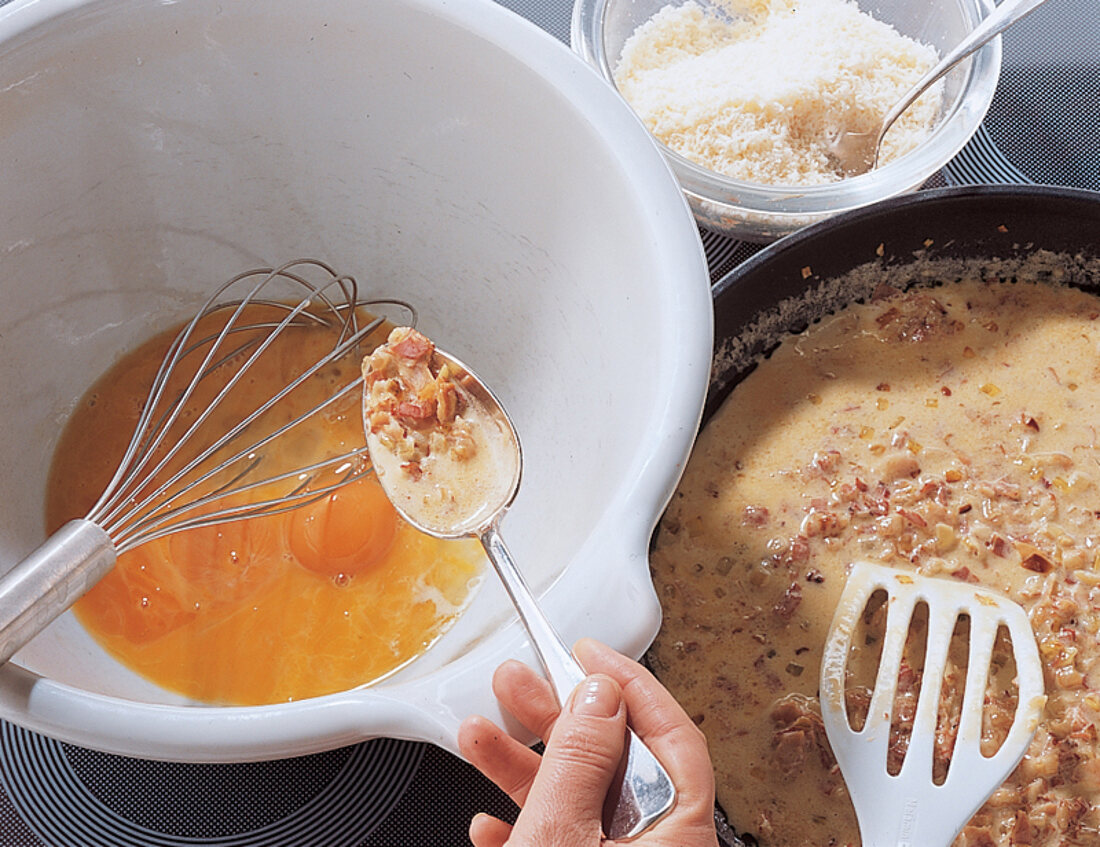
563, 671
1000, 19
645, 792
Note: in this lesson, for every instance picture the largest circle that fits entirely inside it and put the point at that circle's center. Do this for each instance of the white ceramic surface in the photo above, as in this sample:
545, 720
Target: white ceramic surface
449, 153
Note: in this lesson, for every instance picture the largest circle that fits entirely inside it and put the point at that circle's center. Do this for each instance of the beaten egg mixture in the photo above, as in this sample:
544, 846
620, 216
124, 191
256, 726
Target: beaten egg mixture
951, 431
333, 595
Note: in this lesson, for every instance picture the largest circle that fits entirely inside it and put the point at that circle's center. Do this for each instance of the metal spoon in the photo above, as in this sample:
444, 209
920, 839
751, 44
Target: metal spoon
446, 503
858, 152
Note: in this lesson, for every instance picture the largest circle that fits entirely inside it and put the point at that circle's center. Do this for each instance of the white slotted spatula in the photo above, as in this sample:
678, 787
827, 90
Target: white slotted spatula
909, 809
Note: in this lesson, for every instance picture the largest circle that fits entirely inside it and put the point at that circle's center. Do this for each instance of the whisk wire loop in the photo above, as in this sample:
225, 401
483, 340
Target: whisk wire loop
145, 438
145, 514
160, 435
204, 370
133, 509
168, 522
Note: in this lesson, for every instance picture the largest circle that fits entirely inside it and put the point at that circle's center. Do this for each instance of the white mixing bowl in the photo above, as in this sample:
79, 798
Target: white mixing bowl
448, 153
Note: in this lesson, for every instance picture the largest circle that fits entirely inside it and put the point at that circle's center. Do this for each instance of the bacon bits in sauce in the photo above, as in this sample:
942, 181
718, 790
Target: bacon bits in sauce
443, 457
949, 431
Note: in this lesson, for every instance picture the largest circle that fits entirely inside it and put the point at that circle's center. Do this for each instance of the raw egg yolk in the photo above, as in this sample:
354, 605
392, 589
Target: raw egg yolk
295, 604
345, 533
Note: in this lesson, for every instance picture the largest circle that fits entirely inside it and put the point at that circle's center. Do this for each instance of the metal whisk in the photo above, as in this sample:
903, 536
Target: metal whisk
179, 472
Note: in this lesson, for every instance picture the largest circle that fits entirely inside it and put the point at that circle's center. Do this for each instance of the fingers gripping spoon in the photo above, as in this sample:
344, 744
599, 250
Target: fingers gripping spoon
910, 809
449, 459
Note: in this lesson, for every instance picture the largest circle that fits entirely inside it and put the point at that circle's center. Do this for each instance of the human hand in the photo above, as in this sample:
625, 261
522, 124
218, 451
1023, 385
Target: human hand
562, 792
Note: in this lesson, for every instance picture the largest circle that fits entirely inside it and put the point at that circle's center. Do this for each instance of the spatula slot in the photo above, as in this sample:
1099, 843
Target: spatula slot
1002, 694
952, 690
863, 660
910, 675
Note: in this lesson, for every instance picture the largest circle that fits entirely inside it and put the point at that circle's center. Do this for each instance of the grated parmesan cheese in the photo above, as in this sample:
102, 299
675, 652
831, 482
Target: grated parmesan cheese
755, 89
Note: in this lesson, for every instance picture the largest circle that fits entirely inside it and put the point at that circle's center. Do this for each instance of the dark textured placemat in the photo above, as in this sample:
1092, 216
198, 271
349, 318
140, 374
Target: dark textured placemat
1042, 127
381, 793
1044, 123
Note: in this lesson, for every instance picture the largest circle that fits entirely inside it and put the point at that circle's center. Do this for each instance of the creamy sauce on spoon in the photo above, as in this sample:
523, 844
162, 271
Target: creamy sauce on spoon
442, 450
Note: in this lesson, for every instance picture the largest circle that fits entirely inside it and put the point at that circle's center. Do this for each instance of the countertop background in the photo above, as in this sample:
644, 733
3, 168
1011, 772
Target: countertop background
1043, 127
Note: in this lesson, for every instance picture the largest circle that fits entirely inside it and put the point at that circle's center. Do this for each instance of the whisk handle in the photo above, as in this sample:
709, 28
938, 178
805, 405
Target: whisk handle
47, 582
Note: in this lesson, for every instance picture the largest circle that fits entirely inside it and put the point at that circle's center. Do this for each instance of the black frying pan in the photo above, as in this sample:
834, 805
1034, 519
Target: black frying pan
958, 223
986, 221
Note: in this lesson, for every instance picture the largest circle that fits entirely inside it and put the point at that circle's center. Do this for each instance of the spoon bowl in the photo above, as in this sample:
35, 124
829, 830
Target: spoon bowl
451, 466
451, 497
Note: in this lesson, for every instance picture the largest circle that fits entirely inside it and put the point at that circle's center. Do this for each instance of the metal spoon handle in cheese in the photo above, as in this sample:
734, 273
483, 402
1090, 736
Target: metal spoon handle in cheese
858, 152
996, 22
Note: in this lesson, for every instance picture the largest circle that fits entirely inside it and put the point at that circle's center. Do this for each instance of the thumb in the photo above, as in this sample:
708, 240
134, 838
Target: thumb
565, 804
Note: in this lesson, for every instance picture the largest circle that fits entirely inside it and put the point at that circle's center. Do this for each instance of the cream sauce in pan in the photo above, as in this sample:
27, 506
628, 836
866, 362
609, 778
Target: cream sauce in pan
950, 430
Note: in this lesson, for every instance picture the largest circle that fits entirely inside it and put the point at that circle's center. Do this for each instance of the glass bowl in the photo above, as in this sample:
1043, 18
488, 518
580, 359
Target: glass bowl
762, 213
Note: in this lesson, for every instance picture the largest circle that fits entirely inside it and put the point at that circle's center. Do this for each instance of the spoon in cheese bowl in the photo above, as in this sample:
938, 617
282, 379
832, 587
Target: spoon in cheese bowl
448, 457
857, 153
